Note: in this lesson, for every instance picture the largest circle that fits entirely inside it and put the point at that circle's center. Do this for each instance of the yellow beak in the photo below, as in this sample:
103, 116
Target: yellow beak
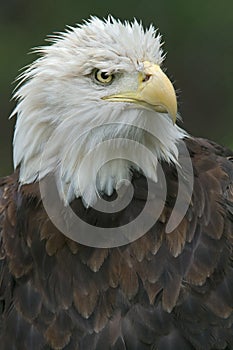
155, 91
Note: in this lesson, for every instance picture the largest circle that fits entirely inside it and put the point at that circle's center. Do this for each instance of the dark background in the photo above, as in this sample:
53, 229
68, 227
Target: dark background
198, 39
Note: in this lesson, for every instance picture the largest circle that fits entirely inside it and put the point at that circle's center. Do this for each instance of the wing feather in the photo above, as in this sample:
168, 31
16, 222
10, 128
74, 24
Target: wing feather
163, 291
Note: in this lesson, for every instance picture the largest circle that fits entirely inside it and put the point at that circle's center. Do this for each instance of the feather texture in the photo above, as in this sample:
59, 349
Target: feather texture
163, 291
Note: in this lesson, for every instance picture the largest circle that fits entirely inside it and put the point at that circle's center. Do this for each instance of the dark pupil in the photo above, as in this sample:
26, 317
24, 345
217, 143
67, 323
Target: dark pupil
104, 75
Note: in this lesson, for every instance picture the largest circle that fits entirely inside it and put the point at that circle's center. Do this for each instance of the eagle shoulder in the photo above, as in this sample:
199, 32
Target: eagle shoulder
164, 288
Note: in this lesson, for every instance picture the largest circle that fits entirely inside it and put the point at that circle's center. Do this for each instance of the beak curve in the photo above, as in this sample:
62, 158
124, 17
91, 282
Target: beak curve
155, 91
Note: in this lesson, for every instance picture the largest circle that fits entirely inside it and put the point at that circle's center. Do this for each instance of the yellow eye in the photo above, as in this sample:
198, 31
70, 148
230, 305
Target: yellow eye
103, 77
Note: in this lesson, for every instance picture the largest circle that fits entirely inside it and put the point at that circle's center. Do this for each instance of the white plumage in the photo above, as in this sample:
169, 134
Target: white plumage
61, 116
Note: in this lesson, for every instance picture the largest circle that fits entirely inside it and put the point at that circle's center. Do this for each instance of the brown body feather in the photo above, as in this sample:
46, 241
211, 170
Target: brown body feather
163, 291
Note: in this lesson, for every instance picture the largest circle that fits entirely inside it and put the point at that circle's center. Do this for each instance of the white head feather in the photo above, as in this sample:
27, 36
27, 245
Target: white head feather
61, 117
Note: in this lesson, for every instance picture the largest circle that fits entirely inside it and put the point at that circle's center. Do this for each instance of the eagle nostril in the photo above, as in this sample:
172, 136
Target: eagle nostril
146, 77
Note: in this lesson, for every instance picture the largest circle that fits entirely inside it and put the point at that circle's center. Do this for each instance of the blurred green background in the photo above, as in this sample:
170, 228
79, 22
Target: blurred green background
198, 39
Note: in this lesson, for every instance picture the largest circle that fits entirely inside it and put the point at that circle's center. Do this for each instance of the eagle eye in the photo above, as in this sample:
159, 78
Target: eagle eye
103, 77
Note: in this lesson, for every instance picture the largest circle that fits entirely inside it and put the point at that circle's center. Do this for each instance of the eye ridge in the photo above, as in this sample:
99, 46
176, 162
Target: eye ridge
103, 77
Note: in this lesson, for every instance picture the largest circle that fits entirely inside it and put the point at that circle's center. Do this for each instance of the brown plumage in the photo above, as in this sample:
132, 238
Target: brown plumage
163, 291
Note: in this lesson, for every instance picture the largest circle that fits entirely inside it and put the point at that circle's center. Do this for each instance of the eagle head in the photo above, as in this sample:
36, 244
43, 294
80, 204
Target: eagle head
94, 106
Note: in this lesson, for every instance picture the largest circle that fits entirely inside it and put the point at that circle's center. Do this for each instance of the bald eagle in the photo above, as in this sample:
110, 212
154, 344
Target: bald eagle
116, 226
